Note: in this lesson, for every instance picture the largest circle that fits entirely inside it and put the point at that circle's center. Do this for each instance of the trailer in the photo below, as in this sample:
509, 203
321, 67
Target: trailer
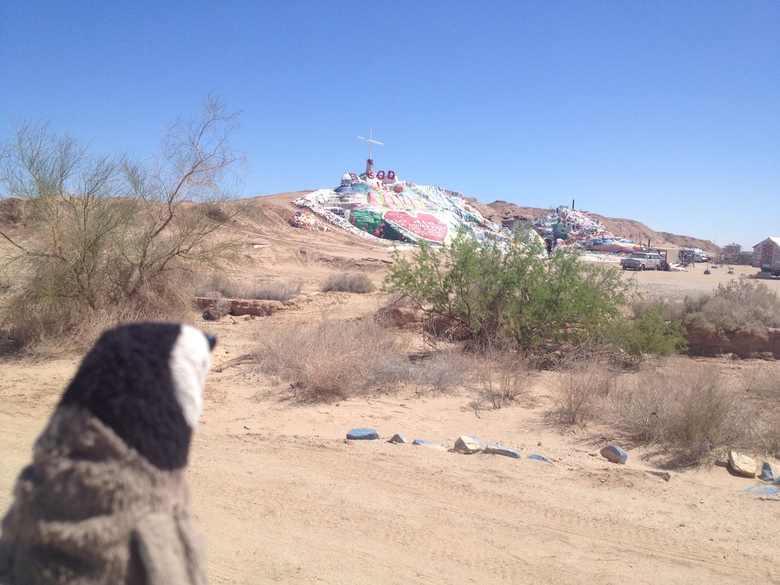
766, 256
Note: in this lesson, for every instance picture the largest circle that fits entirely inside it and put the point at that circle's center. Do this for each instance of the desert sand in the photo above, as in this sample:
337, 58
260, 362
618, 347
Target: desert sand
282, 497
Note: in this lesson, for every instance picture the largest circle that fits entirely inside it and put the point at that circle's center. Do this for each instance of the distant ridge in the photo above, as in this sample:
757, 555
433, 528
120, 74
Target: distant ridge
500, 211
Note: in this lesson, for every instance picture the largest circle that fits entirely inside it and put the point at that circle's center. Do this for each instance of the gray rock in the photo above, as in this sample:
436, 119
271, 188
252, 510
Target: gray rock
397, 438
664, 475
362, 435
722, 462
769, 471
764, 491
494, 449
429, 444
614, 454
537, 457
742, 464
468, 444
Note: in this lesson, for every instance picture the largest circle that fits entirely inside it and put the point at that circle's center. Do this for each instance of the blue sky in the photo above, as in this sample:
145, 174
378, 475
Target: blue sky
663, 112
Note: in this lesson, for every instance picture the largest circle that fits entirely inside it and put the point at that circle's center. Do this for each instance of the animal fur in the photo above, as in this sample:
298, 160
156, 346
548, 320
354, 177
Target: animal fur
101, 502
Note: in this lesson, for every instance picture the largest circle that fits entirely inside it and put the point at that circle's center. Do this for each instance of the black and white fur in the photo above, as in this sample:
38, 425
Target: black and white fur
145, 382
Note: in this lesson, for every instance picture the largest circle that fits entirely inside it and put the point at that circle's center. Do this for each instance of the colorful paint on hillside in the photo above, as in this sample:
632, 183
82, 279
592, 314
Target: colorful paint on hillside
383, 206
380, 205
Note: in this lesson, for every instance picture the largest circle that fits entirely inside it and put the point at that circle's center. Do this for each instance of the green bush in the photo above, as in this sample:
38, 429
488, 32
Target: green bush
649, 331
514, 296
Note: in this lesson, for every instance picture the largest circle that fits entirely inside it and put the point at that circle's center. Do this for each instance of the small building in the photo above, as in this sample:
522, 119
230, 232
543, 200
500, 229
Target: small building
732, 250
766, 256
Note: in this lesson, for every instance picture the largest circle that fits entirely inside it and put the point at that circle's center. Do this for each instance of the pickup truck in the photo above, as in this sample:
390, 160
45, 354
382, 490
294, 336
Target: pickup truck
642, 261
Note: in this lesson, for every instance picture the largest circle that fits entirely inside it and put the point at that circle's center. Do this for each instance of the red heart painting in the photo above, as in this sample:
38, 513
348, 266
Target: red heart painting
424, 225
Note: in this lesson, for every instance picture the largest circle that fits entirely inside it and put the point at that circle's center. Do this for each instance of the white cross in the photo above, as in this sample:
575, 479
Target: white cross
371, 141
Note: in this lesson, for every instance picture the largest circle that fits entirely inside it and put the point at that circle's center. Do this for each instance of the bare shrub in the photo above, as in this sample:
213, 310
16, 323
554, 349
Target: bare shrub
760, 382
218, 284
45, 316
354, 282
214, 285
686, 408
503, 378
275, 291
762, 379
333, 360
440, 372
582, 378
738, 305
108, 236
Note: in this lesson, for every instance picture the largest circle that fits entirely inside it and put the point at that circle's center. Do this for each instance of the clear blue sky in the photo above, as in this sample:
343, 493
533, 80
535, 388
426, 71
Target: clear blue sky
664, 112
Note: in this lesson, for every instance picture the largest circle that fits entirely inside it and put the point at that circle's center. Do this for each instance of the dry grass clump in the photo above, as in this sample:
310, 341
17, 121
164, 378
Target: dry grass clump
331, 360
583, 378
354, 282
44, 317
439, 372
759, 383
503, 378
219, 285
275, 291
738, 305
685, 408
336, 360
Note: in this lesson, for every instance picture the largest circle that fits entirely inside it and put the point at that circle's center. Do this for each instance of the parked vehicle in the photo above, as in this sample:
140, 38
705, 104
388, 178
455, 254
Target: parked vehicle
766, 256
689, 255
643, 261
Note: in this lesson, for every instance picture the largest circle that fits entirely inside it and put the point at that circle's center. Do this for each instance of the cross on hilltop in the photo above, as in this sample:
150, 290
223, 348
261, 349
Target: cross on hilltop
370, 140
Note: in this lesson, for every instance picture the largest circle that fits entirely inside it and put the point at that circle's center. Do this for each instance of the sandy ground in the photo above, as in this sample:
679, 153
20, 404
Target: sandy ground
282, 497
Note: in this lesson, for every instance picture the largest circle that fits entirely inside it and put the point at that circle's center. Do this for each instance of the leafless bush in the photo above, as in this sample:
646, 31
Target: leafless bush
333, 360
217, 285
503, 378
45, 316
583, 377
760, 383
354, 282
685, 407
440, 372
761, 379
275, 291
108, 236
